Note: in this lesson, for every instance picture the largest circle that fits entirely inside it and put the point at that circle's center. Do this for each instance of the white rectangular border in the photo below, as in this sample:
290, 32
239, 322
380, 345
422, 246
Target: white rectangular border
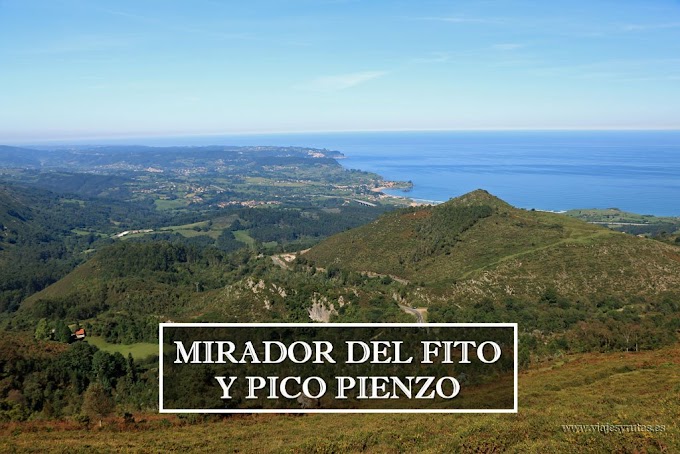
161, 326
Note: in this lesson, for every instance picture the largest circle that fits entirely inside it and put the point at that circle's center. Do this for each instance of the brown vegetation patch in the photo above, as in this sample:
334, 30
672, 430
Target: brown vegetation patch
422, 214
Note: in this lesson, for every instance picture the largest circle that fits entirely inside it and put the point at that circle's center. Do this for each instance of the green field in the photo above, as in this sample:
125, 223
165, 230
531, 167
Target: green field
242, 236
616, 215
163, 204
271, 182
80, 232
139, 350
637, 224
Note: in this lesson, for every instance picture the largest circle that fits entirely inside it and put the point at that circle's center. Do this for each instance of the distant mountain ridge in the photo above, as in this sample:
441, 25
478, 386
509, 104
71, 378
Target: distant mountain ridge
477, 246
20, 157
139, 157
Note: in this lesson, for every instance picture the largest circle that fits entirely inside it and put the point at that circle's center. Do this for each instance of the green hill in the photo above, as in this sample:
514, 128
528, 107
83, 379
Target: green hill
124, 290
14, 211
15, 157
130, 287
474, 258
478, 246
33, 252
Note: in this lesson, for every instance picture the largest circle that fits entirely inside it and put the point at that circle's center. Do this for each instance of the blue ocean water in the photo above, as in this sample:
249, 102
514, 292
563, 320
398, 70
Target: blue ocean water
636, 171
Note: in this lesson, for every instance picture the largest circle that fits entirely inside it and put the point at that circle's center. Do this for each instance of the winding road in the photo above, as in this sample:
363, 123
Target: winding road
414, 312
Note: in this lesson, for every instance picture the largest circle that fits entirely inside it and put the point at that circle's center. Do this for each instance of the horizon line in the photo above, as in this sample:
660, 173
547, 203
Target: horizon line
127, 136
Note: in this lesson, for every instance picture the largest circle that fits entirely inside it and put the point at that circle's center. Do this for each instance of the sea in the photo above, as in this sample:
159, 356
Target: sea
637, 171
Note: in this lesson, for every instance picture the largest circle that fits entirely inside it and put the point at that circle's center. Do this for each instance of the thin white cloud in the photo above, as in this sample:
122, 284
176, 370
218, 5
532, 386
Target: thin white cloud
157, 22
342, 81
628, 64
464, 19
136, 17
653, 78
507, 46
645, 27
619, 70
433, 57
78, 44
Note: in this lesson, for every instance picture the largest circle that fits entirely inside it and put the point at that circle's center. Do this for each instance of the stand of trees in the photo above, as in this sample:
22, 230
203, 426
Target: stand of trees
50, 379
553, 325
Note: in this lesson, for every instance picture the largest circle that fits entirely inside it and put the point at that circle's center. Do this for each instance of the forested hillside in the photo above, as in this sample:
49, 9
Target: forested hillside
477, 246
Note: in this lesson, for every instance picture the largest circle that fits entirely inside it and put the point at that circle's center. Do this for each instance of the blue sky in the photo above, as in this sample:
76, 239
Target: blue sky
81, 68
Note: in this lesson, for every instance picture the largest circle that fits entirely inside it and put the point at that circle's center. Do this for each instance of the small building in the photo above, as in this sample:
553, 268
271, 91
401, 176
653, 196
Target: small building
79, 334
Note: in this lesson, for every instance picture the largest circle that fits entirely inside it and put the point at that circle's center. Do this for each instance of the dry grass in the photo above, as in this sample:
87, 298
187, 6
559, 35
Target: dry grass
615, 388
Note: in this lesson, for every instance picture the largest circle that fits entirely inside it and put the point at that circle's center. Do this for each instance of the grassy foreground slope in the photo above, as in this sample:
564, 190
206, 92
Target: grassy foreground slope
589, 389
478, 246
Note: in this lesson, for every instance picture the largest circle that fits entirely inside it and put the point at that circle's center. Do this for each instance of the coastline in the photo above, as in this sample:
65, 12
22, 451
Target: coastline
382, 192
547, 171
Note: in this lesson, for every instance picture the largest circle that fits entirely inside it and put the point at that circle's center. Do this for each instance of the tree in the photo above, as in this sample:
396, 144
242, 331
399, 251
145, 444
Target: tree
130, 369
97, 403
62, 333
107, 368
43, 331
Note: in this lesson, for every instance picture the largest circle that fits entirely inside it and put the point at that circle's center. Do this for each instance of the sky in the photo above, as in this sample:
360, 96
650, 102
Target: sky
86, 68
